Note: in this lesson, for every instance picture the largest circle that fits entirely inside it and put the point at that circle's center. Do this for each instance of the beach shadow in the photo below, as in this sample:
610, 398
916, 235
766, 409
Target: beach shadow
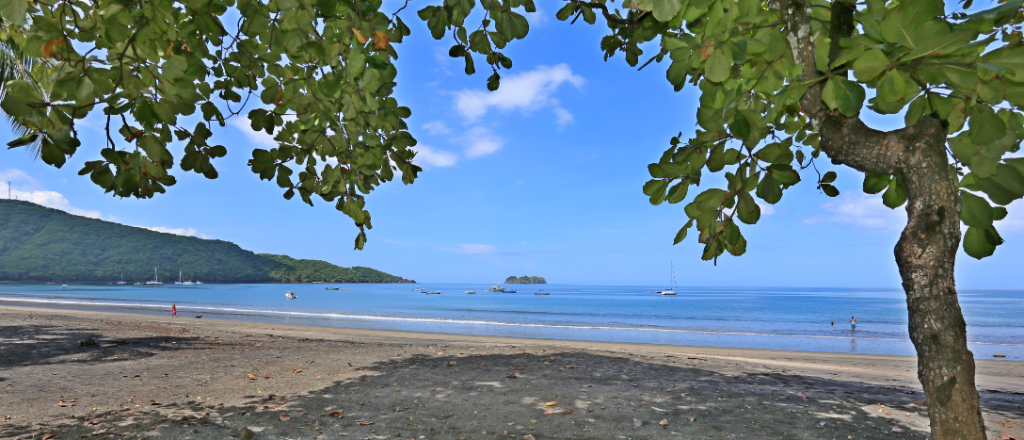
48, 344
505, 395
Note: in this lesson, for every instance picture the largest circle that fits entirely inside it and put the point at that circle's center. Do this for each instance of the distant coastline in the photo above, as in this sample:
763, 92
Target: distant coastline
525, 279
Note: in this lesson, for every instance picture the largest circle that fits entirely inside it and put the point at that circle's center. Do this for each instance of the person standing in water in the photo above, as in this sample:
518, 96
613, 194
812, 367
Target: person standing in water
174, 310
853, 323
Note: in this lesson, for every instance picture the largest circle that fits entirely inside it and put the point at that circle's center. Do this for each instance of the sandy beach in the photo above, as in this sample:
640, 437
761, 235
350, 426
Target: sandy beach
79, 374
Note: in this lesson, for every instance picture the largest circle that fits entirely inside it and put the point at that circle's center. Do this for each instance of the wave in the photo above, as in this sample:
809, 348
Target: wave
446, 321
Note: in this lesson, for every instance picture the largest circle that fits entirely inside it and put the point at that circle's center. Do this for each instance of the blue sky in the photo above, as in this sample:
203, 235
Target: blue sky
541, 178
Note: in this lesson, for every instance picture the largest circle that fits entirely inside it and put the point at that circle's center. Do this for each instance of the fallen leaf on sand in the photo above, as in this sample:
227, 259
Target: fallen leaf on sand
284, 417
318, 378
663, 422
305, 413
528, 437
908, 392
512, 376
821, 423
94, 422
250, 376
359, 403
155, 403
338, 414
551, 403
918, 402
350, 364
1004, 437
897, 429
658, 409
364, 422
637, 423
296, 371
163, 374
62, 402
1007, 426
557, 410
268, 377
48, 436
692, 418
451, 364
401, 408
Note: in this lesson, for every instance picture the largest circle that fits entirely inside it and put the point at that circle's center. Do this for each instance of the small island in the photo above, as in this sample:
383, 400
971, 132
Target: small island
525, 279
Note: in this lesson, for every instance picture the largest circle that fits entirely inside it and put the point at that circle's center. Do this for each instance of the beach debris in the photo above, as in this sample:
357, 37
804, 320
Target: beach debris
663, 422
48, 436
338, 414
999, 355
692, 418
702, 359
551, 403
360, 403
401, 408
364, 422
637, 423
528, 437
350, 364
153, 402
1007, 426
296, 371
451, 364
88, 342
557, 410
512, 376
897, 429
163, 374
284, 417
658, 409
908, 392
251, 376
268, 377
94, 422
633, 384
918, 402
62, 402
1004, 437
246, 434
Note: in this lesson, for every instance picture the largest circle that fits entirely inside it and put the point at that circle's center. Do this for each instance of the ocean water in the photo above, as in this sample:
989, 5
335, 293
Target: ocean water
772, 318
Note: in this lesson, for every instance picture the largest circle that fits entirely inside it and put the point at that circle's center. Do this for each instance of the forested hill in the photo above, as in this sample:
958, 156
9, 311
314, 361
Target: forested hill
43, 244
525, 279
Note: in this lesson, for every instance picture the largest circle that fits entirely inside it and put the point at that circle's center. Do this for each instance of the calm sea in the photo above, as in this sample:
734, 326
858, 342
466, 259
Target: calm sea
774, 318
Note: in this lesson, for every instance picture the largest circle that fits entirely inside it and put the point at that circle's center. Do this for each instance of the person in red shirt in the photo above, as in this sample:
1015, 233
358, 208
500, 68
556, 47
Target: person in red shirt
174, 310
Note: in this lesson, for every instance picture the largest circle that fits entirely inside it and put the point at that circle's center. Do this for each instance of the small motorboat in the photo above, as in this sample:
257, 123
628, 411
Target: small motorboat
470, 292
510, 291
436, 292
289, 294
418, 288
542, 293
331, 288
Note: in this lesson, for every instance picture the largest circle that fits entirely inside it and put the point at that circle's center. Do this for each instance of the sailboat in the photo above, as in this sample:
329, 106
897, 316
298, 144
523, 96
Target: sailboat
156, 279
122, 281
179, 279
671, 290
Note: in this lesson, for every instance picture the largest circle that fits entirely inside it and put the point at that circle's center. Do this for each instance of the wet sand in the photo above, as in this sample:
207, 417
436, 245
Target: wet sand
79, 374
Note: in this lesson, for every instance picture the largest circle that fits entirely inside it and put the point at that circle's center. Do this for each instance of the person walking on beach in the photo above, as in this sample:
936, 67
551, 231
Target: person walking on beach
853, 323
174, 310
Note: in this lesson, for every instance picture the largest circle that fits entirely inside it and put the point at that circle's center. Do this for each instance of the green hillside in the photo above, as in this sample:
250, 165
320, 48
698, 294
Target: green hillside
43, 244
525, 279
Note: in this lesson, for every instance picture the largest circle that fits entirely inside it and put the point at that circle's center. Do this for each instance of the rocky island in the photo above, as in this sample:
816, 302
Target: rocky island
525, 280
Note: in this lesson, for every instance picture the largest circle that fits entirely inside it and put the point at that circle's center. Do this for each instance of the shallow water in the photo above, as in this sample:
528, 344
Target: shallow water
774, 318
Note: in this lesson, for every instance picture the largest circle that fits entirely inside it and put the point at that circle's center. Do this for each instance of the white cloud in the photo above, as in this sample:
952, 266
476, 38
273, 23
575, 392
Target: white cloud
472, 249
24, 187
765, 209
480, 141
864, 211
261, 137
436, 128
187, 232
563, 117
525, 91
427, 156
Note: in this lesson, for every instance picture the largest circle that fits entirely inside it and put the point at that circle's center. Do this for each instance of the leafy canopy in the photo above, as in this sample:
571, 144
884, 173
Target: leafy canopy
322, 71
328, 65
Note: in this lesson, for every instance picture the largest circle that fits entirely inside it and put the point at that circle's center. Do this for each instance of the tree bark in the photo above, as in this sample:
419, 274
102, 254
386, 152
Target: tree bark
925, 254
926, 250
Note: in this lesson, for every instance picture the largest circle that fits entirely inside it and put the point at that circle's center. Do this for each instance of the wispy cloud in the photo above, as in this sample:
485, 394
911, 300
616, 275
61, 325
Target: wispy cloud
431, 157
480, 141
187, 232
526, 91
24, 187
436, 127
563, 117
863, 211
471, 249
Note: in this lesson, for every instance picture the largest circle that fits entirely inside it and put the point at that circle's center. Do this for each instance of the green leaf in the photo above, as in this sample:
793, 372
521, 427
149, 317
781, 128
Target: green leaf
784, 174
747, 209
875, 183
976, 244
830, 190
14, 12
665, 10
869, 65
681, 235
1009, 57
1008, 8
975, 211
769, 190
986, 126
844, 95
740, 127
566, 11
656, 190
1004, 186
718, 66
941, 44
895, 196
829, 177
678, 192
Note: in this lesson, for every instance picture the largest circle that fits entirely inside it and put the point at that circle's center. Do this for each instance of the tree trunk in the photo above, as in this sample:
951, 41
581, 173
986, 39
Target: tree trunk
925, 255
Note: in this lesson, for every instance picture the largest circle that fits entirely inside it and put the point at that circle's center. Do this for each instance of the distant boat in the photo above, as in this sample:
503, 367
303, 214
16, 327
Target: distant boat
436, 292
417, 288
289, 294
672, 280
199, 282
49, 283
470, 292
496, 288
542, 293
138, 283
331, 288
122, 281
63, 286
156, 279
510, 291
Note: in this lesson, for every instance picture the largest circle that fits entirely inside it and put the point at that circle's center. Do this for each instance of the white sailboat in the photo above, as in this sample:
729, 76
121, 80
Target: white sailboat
156, 279
671, 290
179, 279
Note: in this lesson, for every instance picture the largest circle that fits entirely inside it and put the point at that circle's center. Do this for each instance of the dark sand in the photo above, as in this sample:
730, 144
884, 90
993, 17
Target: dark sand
187, 378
